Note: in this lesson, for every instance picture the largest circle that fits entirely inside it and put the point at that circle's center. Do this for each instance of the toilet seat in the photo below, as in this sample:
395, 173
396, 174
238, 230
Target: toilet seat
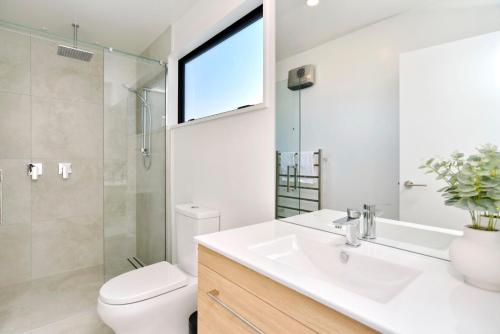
143, 283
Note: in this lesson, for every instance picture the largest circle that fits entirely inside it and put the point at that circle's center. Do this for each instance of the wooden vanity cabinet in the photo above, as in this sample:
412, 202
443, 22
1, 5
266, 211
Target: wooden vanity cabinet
234, 299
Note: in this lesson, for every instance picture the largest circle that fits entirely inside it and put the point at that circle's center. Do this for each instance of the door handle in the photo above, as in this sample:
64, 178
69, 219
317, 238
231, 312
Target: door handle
409, 184
214, 295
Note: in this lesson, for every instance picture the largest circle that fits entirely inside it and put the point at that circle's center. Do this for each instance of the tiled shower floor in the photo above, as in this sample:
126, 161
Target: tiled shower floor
63, 303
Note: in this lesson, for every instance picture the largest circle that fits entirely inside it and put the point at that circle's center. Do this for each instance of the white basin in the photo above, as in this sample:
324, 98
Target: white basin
417, 235
418, 238
340, 265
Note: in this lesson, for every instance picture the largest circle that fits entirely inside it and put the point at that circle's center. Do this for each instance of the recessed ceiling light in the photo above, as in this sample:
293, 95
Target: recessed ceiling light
312, 3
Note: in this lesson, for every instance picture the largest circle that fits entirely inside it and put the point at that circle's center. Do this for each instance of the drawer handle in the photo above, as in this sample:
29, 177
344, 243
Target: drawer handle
214, 295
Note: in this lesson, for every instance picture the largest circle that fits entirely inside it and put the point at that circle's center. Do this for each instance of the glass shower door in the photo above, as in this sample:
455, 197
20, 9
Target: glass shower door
134, 163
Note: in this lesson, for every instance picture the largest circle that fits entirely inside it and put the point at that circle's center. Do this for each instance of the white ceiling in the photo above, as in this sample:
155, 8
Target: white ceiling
128, 25
300, 27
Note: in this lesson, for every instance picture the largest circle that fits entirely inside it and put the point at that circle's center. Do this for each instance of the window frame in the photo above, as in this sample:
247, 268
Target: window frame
250, 18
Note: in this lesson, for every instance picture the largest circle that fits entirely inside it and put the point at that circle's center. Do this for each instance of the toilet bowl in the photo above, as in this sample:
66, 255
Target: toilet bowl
159, 298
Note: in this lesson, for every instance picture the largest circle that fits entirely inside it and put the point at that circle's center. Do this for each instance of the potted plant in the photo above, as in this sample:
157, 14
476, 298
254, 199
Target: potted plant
473, 184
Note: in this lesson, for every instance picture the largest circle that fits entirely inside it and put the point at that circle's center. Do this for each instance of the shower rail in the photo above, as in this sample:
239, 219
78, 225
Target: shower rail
296, 185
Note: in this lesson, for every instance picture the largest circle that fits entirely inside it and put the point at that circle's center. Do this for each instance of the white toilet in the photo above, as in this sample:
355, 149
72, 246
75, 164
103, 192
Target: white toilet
160, 297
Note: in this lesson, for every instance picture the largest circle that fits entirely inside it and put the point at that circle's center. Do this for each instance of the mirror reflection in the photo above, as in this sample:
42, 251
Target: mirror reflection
366, 94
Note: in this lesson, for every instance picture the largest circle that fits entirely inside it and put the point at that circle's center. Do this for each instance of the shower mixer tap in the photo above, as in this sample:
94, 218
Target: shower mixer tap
35, 170
65, 170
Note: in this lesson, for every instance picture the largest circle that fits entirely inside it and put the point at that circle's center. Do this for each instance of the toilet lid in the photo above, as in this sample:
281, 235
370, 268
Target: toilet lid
143, 283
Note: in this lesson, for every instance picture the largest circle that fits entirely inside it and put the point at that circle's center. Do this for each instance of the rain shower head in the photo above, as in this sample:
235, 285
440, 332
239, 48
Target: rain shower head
73, 51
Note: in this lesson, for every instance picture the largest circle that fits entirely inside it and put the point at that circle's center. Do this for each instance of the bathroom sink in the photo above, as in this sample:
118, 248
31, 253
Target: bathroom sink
439, 239
340, 265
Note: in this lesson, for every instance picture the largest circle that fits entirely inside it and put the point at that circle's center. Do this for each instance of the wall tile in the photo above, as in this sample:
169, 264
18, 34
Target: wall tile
150, 228
115, 172
54, 198
118, 248
66, 129
115, 131
15, 254
14, 62
115, 201
66, 244
15, 125
16, 191
65, 78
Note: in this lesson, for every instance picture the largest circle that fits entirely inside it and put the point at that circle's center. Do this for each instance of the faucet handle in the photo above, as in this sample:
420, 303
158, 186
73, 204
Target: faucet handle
353, 214
369, 207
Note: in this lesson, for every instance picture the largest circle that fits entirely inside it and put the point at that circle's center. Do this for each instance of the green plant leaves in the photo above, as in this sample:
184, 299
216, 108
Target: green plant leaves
473, 182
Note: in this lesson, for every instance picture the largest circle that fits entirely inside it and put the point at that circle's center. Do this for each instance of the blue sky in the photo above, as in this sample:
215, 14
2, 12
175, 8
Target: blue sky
227, 76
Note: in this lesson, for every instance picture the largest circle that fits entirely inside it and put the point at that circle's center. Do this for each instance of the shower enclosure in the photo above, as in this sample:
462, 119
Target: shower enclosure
93, 135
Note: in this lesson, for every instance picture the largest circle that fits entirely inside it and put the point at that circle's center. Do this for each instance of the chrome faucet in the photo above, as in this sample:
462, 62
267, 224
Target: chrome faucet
352, 227
369, 224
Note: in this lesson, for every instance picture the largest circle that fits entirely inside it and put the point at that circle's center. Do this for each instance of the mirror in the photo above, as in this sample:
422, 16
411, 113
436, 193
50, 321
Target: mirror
390, 85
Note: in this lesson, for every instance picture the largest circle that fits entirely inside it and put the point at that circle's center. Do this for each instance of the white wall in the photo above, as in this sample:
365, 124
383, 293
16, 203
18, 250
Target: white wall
160, 48
353, 110
447, 96
225, 163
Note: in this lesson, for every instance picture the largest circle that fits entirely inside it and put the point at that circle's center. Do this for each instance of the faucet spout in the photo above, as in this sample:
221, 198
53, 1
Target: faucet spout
352, 227
369, 223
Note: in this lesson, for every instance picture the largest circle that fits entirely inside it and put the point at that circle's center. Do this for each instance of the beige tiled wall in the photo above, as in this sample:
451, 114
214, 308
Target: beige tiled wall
53, 76
67, 126
15, 152
50, 112
15, 62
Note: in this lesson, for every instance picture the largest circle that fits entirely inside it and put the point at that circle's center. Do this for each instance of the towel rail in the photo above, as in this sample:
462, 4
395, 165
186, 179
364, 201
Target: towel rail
299, 198
296, 185
292, 208
302, 176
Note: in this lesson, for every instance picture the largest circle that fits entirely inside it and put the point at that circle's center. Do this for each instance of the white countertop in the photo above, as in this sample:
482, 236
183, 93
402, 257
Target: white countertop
436, 301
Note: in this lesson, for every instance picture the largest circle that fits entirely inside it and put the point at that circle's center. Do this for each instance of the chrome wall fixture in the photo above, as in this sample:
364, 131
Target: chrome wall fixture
65, 170
35, 170
146, 121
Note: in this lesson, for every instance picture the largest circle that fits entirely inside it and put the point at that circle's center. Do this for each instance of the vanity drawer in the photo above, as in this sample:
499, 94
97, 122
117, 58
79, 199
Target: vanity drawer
302, 309
213, 289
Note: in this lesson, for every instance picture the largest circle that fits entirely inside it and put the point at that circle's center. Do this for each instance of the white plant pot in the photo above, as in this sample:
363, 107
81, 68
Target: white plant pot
477, 256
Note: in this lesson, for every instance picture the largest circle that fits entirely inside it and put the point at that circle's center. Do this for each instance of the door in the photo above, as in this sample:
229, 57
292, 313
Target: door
449, 101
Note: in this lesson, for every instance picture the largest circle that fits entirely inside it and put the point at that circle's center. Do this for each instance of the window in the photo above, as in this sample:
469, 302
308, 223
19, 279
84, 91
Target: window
225, 73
